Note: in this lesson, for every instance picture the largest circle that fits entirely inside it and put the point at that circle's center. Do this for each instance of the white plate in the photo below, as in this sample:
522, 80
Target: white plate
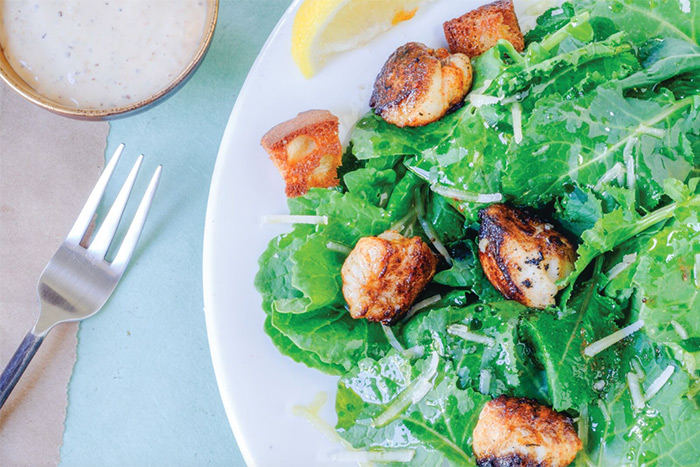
258, 385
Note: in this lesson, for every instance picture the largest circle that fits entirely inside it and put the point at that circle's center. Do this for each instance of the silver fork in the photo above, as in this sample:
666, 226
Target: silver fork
78, 279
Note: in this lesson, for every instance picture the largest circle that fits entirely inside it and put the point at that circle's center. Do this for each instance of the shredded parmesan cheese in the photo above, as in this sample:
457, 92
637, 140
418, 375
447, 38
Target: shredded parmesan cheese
599, 385
311, 414
480, 100
417, 351
628, 156
439, 347
517, 97
421, 390
517, 112
659, 382
413, 393
583, 425
637, 367
485, 381
420, 305
635, 390
401, 224
430, 231
432, 236
389, 333
680, 330
615, 172
290, 219
338, 248
461, 195
627, 260
696, 271
462, 331
422, 173
602, 344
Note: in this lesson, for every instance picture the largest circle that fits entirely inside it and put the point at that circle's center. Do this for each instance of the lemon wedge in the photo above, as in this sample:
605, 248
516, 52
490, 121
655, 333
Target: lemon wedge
325, 27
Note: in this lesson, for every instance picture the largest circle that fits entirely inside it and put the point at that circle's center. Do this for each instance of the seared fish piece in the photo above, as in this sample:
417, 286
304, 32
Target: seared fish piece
478, 30
418, 85
522, 256
382, 276
514, 431
306, 150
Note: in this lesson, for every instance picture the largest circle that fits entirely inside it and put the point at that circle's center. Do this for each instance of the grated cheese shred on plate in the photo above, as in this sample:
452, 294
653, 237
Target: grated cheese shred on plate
635, 390
422, 173
615, 172
583, 425
402, 223
628, 156
480, 100
311, 414
293, 219
627, 260
417, 351
389, 333
461, 195
659, 382
463, 331
602, 344
517, 112
422, 304
412, 394
680, 330
456, 193
637, 367
484, 381
433, 237
431, 233
338, 248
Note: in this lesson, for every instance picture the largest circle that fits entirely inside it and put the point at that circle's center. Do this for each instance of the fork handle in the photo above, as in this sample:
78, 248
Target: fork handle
18, 363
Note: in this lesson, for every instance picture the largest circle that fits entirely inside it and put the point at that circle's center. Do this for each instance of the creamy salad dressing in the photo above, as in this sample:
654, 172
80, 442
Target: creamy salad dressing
100, 54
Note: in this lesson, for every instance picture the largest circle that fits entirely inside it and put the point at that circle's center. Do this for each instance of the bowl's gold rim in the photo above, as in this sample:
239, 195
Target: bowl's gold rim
10, 76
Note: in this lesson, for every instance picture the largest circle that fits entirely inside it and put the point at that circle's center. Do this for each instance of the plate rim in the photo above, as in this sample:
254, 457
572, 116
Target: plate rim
213, 338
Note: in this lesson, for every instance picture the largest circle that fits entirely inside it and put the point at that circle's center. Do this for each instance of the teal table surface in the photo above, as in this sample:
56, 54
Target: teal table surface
143, 391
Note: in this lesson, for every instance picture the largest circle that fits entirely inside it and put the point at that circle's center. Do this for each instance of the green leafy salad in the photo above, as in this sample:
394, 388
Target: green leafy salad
595, 127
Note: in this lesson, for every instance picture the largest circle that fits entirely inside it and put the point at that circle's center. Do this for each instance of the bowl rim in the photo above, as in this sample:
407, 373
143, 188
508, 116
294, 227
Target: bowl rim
12, 78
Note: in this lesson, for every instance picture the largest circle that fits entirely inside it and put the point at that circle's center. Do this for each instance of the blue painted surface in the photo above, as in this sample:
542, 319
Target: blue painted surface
143, 390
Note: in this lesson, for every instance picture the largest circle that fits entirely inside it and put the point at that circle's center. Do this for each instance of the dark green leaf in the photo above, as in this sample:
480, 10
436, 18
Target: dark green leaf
559, 342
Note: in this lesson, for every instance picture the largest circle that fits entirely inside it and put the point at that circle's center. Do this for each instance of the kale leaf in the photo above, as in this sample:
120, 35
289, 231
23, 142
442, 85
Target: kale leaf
559, 341
671, 262
398, 403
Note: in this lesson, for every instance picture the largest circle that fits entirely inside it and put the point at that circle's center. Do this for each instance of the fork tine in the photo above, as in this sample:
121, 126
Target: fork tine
105, 234
132, 235
77, 232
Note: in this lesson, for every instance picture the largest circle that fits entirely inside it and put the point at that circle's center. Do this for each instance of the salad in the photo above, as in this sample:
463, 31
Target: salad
594, 127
